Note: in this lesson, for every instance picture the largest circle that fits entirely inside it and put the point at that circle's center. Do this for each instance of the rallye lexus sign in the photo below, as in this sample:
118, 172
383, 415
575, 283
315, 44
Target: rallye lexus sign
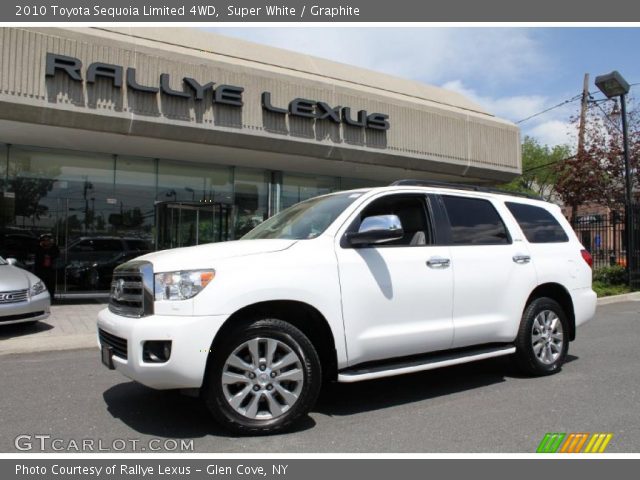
229, 95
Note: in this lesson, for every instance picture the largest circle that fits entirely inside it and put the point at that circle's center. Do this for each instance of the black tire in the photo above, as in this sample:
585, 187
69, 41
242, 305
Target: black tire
214, 395
526, 358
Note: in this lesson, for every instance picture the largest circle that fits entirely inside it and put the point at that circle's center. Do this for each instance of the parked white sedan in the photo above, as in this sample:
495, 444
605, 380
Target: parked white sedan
23, 296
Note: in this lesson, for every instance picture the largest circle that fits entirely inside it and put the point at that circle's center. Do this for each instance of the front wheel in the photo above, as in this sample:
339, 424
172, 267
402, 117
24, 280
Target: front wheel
263, 377
543, 342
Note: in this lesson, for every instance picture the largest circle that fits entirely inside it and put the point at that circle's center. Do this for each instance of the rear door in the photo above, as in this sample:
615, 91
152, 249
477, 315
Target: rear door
492, 269
556, 258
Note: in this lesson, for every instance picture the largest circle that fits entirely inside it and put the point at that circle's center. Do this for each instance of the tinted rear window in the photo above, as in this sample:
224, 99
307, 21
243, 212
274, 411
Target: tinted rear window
474, 221
137, 245
537, 224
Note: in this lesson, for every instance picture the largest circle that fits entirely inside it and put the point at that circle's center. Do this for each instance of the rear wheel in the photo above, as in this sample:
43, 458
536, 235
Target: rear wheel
262, 378
542, 343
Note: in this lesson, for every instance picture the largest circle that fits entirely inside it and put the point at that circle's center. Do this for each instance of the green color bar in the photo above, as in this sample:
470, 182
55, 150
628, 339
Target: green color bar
550, 443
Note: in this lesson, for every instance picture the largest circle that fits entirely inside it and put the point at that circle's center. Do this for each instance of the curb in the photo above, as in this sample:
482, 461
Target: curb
625, 297
48, 343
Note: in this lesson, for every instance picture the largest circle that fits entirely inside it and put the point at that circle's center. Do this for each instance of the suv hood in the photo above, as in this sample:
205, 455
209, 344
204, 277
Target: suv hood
204, 256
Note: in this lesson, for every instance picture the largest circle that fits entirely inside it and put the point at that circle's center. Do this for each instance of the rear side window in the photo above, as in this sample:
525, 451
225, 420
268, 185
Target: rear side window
474, 221
537, 224
139, 245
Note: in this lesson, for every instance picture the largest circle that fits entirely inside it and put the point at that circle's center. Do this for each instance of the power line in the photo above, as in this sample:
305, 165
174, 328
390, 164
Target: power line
565, 102
573, 99
546, 164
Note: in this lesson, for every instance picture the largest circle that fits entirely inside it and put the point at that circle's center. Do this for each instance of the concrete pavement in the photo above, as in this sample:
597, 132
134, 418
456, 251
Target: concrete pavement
70, 326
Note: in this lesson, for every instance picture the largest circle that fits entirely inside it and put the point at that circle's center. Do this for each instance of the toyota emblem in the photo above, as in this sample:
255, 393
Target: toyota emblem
118, 289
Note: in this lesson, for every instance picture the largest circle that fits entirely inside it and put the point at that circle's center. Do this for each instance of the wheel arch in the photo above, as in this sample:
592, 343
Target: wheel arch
306, 318
561, 295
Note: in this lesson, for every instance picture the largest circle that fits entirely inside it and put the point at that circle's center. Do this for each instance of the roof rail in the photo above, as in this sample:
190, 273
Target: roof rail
460, 186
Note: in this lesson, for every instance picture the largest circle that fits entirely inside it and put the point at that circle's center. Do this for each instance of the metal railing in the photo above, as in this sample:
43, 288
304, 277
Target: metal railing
604, 236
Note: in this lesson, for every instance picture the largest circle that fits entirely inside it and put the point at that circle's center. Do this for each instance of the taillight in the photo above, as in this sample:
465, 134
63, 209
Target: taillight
587, 257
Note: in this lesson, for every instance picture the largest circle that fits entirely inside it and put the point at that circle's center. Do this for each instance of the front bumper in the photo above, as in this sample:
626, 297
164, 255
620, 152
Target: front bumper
190, 336
34, 309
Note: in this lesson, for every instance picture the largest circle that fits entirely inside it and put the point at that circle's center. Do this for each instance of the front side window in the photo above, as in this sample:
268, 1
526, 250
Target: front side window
412, 212
474, 221
537, 224
304, 220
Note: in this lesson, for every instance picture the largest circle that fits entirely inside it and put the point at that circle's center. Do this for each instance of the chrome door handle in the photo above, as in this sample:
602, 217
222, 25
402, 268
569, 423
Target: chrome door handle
438, 262
519, 258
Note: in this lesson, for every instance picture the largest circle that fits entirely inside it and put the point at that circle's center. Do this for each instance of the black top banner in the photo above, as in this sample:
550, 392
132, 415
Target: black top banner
223, 11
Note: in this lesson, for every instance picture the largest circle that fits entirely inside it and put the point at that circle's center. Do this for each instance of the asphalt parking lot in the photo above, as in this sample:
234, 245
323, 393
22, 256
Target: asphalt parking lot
482, 407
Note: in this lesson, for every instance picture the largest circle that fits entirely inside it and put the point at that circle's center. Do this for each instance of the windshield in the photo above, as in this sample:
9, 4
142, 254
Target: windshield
304, 220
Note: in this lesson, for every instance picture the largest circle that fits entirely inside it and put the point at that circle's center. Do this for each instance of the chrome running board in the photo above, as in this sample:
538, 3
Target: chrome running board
445, 359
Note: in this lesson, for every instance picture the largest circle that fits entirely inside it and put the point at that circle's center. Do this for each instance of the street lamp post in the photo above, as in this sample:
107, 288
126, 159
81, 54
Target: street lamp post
614, 85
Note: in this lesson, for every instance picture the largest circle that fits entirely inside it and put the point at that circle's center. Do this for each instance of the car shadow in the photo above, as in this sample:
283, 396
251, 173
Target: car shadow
167, 413
347, 399
173, 415
21, 329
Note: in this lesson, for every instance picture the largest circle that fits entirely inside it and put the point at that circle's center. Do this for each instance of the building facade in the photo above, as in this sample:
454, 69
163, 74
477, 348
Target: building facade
118, 141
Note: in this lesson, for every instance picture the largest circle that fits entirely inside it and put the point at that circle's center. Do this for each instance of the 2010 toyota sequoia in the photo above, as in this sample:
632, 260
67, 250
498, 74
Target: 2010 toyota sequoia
346, 287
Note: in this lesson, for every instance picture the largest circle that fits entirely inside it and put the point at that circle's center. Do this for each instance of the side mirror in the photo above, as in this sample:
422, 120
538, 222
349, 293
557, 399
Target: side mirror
376, 230
12, 261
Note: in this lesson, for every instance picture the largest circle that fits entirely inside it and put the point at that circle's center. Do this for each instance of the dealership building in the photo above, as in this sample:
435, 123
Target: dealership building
118, 140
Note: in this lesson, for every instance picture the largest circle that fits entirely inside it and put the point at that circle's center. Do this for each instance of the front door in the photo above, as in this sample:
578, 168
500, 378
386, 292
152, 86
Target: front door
397, 297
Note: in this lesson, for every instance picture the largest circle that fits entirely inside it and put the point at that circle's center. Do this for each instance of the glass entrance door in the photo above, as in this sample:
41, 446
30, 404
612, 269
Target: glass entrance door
184, 224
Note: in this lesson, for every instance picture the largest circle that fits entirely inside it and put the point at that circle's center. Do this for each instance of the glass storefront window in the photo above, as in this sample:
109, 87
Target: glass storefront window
131, 208
193, 182
355, 183
296, 188
65, 194
7, 201
103, 210
251, 192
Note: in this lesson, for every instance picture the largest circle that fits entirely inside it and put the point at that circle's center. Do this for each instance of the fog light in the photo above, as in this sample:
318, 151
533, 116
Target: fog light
156, 351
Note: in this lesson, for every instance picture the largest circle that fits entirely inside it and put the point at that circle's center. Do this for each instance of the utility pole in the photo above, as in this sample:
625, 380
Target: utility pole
583, 120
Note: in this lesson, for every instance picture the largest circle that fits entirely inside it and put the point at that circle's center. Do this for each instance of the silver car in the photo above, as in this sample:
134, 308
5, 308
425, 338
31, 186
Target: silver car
23, 296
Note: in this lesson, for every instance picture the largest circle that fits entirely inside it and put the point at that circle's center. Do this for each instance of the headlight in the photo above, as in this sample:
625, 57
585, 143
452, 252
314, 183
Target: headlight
181, 285
37, 288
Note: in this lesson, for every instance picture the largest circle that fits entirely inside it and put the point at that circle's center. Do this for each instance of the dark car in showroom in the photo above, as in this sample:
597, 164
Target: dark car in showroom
87, 263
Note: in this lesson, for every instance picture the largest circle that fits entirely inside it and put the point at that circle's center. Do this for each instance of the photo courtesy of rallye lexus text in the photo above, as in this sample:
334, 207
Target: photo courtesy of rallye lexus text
97, 470
347, 287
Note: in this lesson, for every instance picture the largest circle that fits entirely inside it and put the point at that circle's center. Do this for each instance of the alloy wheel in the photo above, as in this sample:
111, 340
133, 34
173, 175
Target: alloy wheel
547, 337
262, 379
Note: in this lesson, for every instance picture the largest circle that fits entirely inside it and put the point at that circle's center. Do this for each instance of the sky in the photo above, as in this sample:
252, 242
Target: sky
512, 72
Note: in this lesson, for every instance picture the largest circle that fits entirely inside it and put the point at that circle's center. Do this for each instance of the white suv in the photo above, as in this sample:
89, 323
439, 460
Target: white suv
347, 287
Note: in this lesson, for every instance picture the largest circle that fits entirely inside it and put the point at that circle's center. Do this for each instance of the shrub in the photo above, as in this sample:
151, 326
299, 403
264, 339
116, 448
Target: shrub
613, 275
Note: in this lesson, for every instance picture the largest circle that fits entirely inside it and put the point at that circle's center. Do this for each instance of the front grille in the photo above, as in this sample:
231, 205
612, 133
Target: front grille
127, 297
14, 296
117, 344
132, 290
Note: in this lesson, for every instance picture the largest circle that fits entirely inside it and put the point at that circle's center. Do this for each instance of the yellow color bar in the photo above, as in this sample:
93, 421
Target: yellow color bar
591, 442
598, 443
606, 441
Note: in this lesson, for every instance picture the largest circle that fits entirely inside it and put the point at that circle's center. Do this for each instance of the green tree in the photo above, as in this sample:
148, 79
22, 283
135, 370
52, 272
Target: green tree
539, 175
